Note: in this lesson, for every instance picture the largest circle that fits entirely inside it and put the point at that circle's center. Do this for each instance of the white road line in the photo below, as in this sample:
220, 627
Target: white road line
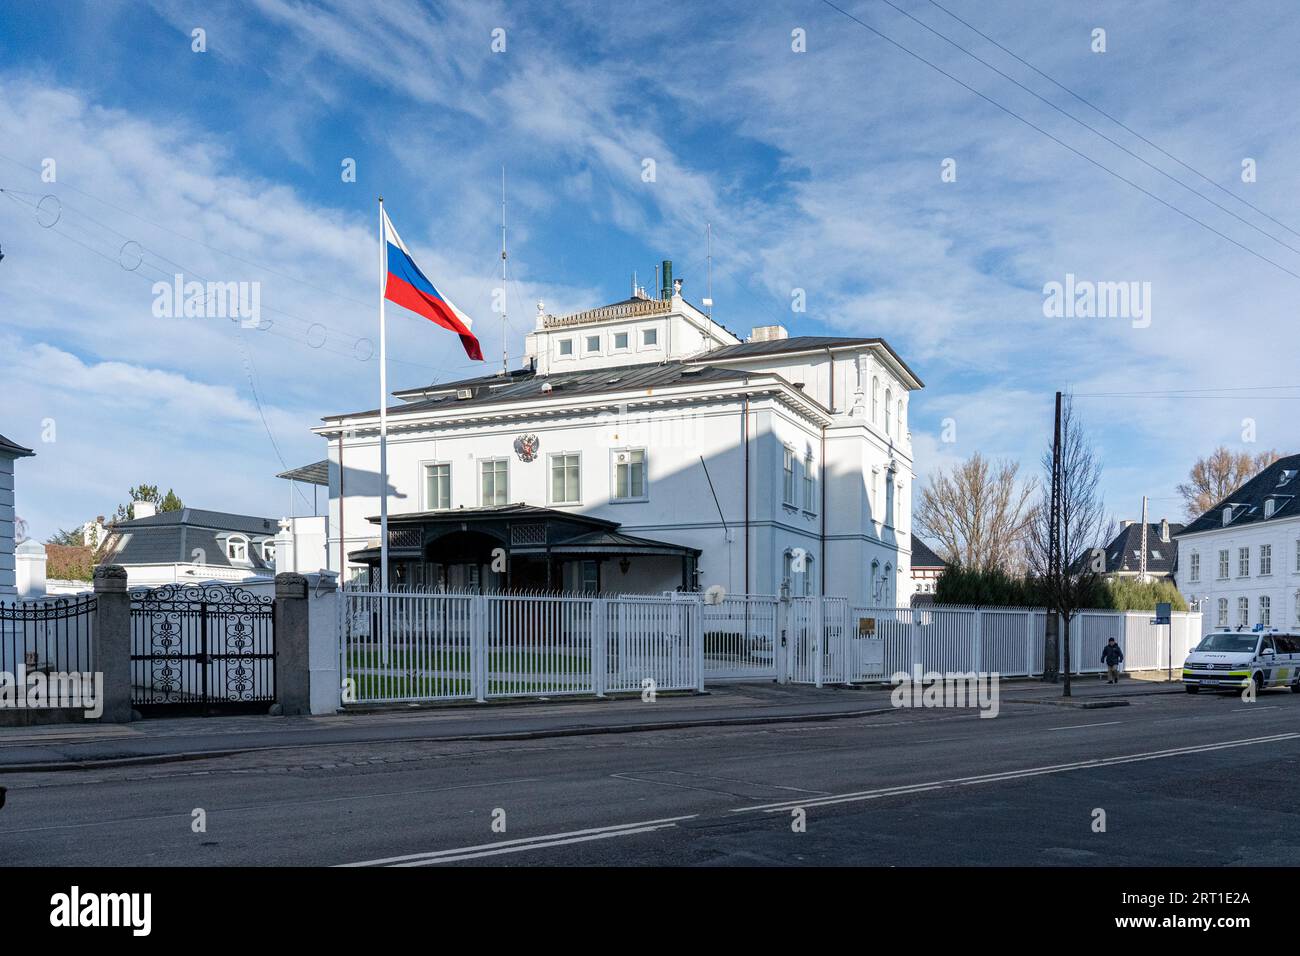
1011, 774
537, 846
526, 843
1107, 723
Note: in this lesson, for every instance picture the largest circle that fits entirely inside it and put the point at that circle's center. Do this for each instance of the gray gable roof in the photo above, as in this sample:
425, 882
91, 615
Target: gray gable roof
924, 557
1122, 554
1280, 481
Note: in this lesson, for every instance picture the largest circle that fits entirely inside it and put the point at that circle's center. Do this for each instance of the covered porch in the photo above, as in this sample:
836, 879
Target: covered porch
521, 548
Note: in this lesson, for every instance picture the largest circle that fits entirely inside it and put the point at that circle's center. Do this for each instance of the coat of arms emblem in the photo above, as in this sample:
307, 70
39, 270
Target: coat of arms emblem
526, 447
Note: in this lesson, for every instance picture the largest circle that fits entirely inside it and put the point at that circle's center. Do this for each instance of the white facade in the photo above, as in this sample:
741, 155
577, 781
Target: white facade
773, 465
8, 518
1243, 575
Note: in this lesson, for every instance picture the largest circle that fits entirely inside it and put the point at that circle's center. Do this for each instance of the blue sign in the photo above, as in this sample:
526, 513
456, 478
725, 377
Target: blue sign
1164, 613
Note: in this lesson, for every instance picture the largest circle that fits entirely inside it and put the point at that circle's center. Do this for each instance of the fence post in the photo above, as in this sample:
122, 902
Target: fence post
697, 642
1030, 615
818, 628
292, 657
112, 641
912, 661
978, 656
780, 644
599, 645
478, 652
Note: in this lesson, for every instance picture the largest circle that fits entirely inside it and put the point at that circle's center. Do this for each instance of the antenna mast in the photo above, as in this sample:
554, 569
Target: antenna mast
708, 290
505, 362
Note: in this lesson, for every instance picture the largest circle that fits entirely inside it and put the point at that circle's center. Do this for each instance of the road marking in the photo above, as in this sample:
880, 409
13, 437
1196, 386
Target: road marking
1011, 775
1107, 723
525, 843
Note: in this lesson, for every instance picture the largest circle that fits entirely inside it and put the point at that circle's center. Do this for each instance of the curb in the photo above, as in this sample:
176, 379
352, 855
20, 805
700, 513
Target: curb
579, 731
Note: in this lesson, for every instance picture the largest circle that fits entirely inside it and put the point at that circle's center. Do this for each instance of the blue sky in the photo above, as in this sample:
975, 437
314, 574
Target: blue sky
819, 170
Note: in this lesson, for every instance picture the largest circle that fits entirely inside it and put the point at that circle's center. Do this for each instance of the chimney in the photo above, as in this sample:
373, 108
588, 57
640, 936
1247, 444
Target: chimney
1164, 529
666, 292
1125, 523
143, 509
768, 333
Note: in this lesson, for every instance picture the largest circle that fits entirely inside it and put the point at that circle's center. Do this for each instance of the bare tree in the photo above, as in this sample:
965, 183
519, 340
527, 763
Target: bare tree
978, 513
1084, 528
1214, 478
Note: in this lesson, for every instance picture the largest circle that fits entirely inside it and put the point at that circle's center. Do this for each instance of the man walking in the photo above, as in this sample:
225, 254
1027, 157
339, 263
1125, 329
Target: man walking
1111, 656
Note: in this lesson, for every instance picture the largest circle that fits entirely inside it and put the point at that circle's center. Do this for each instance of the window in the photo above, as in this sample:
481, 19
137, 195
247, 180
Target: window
566, 346
899, 420
237, 549
1269, 506
1223, 612
1223, 565
268, 552
629, 474
1297, 607
808, 483
590, 576
808, 579
898, 507
1297, 556
1265, 559
787, 493
1243, 612
886, 589
566, 486
875, 495
495, 483
875, 400
620, 340
1196, 566
591, 344
1156, 554
889, 400
437, 486
1265, 610
1243, 562
649, 337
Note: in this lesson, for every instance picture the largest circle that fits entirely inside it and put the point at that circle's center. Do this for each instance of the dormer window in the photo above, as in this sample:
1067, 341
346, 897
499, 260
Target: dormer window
1286, 476
1227, 515
237, 549
1270, 505
268, 552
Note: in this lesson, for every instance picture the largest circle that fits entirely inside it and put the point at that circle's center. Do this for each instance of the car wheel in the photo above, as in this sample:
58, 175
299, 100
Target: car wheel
1192, 688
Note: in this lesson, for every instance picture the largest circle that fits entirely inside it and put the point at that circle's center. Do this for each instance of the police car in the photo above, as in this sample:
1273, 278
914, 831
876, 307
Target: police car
1232, 660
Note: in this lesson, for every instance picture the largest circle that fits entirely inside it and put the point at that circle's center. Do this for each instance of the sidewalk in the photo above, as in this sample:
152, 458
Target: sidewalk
160, 740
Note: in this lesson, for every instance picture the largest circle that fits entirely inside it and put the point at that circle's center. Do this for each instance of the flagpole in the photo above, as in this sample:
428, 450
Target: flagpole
383, 413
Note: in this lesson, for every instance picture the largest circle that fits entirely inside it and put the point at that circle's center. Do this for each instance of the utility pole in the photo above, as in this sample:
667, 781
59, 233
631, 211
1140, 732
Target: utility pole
1052, 645
505, 360
1142, 560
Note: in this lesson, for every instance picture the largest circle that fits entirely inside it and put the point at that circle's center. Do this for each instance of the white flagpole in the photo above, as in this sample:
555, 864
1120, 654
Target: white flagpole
383, 410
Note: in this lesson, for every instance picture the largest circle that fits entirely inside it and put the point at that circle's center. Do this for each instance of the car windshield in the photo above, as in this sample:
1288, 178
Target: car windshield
1228, 643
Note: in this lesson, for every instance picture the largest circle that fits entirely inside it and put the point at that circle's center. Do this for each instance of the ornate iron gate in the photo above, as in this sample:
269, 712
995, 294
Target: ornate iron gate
202, 646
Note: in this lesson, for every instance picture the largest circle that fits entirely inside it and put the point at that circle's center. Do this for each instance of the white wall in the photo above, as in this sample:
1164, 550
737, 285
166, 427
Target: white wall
1282, 586
8, 589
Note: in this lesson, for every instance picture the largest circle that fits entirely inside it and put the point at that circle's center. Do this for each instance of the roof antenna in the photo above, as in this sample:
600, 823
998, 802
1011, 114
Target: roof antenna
708, 289
505, 362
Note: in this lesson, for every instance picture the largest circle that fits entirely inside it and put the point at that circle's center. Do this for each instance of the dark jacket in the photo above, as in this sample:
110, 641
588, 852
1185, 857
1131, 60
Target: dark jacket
1111, 655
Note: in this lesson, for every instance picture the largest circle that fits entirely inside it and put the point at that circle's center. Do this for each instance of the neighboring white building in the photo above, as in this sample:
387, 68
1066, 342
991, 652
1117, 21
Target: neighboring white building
191, 546
643, 447
927, 569
9, 453
1241, 559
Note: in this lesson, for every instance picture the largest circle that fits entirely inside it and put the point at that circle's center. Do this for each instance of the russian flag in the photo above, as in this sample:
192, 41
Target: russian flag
407, 286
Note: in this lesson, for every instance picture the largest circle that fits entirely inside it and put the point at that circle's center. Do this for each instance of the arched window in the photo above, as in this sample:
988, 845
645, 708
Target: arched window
886, 590
889, 400
875, 400
901, 429
873, 586
237, 548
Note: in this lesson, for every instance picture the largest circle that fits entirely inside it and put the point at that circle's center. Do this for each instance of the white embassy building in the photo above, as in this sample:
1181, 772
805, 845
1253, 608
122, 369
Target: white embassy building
642, 448
1240, 561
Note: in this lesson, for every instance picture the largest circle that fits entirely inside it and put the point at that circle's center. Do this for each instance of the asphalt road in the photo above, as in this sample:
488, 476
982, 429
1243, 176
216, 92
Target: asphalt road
1182, 780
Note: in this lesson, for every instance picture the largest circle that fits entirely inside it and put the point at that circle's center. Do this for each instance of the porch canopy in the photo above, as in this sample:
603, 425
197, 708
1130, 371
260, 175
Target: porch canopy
523, 547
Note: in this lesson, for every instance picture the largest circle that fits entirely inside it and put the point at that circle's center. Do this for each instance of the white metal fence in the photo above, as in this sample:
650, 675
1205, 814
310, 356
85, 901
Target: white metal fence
440, 646
411, 646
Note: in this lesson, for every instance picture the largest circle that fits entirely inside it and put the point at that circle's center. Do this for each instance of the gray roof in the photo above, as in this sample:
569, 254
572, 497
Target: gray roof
799, 343
171, 537
1279, 481
13, 449
587, 382
1122, 554
317, 473
924, 557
